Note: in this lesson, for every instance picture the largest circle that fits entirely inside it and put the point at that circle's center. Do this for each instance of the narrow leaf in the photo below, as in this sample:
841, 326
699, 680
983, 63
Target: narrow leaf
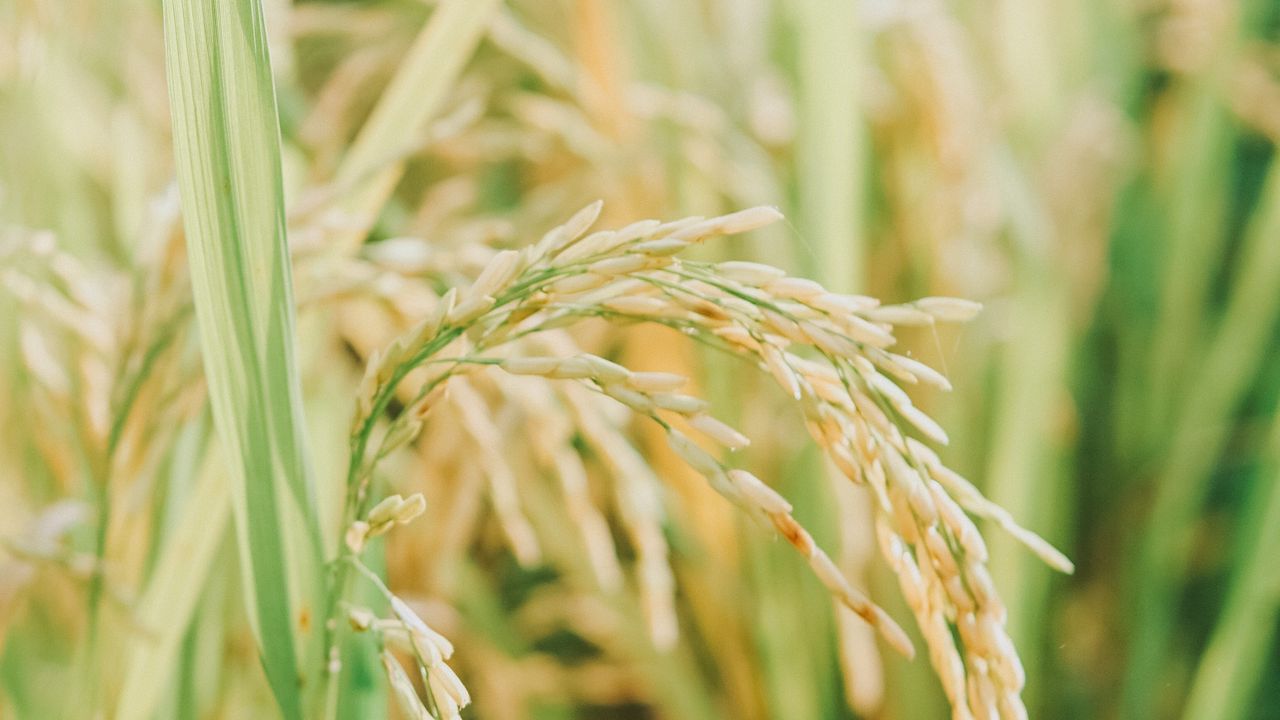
227, 152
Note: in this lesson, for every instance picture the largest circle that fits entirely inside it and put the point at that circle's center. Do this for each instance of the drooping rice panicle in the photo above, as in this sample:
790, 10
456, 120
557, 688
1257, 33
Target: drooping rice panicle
828, 351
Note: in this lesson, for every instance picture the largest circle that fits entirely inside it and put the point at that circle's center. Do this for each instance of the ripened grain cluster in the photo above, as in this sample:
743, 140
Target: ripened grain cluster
827, 351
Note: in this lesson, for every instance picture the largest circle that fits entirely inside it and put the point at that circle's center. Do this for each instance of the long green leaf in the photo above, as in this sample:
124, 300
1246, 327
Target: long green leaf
227, 151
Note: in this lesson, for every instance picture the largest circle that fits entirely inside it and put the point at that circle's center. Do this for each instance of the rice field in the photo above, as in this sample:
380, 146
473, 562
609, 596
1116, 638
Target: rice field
507, 359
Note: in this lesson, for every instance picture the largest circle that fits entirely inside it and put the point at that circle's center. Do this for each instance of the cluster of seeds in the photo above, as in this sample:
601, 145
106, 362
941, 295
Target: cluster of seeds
649, 394
550, 442
390, 511
407, 633
828, 351
640, 507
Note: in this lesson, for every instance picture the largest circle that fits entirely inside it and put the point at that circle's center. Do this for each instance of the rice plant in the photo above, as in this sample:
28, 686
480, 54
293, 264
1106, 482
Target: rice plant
347, 374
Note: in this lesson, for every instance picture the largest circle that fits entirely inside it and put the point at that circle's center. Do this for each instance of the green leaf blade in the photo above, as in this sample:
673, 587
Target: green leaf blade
227, 151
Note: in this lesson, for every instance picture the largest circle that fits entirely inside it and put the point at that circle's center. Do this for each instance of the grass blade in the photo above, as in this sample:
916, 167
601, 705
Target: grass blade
1201, 434
171, 595
1230, 669
830, 172
414, 95
227, 151
831, 146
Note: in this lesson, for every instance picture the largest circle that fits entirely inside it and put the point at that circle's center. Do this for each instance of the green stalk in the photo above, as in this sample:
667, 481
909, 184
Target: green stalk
830, 145
1230, 669
170, 598
798, 653
227, 151
1200, 435
1194, 236
1022, 476
1035, 68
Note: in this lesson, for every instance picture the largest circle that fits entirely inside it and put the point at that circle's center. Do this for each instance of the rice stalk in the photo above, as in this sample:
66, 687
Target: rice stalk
372, 165
830, 155
1230, 673
169, 601
1197, 218
1200, 435
830, 203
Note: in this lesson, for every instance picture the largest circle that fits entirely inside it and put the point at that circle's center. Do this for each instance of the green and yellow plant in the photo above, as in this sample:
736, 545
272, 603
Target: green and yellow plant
208, 511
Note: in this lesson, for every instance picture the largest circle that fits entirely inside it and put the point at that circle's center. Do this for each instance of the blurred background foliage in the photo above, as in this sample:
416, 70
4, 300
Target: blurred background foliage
1099, 174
